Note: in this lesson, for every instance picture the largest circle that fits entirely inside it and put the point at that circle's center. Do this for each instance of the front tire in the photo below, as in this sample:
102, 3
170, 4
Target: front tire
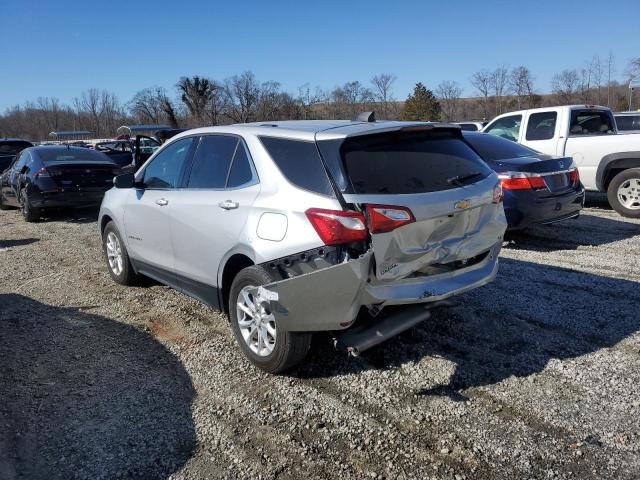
117, 257
256, 329
30, 213
623, 193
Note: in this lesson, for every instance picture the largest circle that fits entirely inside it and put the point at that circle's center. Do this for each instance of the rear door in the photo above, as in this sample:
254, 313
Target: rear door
147, 210
441, 180
211, 211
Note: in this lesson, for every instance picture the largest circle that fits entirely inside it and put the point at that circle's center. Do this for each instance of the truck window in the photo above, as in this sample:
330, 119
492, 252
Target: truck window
628, 122
541, 126
590, 122
506, 127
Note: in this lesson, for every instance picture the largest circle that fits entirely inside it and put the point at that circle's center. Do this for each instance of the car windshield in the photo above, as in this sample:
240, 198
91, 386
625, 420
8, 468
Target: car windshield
411, 162
491, 147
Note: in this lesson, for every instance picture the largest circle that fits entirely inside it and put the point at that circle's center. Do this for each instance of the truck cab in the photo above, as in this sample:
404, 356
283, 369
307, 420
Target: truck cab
587, 133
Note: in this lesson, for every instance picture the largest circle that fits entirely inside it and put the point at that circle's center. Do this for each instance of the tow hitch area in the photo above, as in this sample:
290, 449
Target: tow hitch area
391, 323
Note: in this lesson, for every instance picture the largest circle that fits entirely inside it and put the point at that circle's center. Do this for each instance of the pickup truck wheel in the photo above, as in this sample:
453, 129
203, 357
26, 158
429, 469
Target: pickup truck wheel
30, 213
115, 253
624, 193
256, 328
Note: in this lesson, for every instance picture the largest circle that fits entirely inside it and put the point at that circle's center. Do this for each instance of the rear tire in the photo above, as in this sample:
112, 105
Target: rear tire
3, 206
30, 213
287, 348
117, 257
623, 193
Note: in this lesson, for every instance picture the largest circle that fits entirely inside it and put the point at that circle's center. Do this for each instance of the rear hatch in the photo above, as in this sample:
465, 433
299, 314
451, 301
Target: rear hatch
430, 201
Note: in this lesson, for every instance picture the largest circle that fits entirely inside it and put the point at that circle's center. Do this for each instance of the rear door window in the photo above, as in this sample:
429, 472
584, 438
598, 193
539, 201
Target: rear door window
628, 122
241, 173
506, 127
410, 162
541, 126
590, 122
300, 162
211, 161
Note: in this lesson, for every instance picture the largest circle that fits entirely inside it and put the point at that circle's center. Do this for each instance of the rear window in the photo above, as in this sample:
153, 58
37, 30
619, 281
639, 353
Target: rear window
491, 147
300, 163
72, 155
13, 148
628, 122
410, 162
591, 122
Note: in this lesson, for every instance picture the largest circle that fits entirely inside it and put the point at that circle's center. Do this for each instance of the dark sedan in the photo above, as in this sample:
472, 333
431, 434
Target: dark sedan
538, 188
9, 148
56, 176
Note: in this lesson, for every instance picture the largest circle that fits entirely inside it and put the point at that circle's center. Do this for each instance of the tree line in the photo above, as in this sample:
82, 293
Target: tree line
197, 100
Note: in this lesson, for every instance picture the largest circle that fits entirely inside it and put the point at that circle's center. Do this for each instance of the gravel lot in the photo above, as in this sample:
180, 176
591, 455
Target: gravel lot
534, 376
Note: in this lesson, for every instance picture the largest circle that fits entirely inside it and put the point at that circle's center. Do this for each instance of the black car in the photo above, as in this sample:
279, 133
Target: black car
538, 188
9, 148
56, 176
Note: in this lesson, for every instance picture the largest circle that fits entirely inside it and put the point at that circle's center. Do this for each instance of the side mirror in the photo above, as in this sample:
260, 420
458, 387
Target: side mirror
125, 180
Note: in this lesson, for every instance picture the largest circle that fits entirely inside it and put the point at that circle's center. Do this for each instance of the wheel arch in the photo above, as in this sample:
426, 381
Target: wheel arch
233, 263
612, 164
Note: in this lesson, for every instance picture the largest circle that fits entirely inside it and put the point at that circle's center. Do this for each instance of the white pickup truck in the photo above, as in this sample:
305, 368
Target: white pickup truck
607, 162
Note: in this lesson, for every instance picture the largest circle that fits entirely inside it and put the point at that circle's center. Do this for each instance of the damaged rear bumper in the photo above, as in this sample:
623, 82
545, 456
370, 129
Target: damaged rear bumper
330, 298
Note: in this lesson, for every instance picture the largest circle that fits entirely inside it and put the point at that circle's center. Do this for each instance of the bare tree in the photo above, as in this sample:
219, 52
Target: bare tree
521, 82
482, 82
147, 105
565, 85
448, 93
196, 94
597, 72
242, 93
611, 66
499, 81
382, 92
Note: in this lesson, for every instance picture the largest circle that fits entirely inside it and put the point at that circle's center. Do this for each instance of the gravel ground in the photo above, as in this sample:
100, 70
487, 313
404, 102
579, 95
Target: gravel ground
534, 376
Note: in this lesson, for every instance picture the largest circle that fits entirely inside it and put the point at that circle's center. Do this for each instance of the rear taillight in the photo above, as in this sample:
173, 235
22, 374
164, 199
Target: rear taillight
335, 227
521, 181
42, 173
574, 176
384, 218
498, 193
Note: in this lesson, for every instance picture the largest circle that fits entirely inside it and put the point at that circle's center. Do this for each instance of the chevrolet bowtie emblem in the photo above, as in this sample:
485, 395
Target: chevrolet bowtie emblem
462, 204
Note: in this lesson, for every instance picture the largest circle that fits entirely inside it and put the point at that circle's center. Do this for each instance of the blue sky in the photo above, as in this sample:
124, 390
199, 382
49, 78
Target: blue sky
61, 48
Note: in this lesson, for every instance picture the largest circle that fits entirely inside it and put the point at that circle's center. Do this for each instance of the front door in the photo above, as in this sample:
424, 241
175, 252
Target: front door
147, 212
211, 211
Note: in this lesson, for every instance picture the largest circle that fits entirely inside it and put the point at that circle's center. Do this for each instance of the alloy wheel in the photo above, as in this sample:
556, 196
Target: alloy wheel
114, 254
629, 193
257, 323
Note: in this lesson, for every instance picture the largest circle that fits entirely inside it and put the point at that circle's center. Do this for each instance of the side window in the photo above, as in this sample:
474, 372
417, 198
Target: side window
506, 127
542, 126
164, 170
299, 162
241, 172
211, 161
21, 161
468, 127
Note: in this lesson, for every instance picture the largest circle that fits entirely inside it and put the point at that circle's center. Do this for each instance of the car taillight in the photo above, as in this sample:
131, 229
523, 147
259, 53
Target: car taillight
43, 173
335, 226
521, 181
384, 218
498, 193
574, 176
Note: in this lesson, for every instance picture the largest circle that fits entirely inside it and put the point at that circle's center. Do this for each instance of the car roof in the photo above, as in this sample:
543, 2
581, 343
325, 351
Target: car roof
310, 130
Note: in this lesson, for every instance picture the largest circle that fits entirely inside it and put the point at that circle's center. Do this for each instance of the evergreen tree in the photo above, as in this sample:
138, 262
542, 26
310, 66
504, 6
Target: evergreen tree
422, 105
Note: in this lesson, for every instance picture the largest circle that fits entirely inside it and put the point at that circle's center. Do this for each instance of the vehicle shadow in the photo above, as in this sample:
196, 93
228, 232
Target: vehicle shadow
83, 396
18, 242
72, 215
597, 200
496, 331
586, 230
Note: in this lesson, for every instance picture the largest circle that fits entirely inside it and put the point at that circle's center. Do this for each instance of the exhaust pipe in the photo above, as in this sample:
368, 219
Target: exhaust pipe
360, 338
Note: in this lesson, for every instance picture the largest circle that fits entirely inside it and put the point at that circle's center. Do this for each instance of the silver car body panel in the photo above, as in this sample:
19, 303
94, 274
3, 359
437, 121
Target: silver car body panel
192, 237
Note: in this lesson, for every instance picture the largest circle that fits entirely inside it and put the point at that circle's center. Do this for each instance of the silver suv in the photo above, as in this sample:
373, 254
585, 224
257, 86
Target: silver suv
296, 227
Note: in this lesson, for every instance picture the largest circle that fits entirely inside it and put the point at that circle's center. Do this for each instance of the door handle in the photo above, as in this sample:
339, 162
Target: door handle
228, 205
162, 202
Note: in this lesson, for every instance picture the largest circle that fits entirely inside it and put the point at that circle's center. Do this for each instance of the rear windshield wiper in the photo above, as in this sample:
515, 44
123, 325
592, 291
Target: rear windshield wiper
460, 179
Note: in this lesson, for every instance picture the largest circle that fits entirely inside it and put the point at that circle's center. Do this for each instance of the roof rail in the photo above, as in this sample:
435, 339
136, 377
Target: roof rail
368, 117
